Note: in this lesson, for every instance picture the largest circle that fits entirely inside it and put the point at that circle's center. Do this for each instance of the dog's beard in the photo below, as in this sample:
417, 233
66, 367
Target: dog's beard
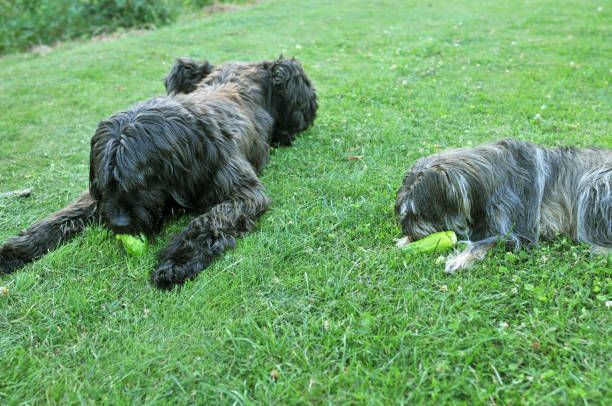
134, 213
415, 227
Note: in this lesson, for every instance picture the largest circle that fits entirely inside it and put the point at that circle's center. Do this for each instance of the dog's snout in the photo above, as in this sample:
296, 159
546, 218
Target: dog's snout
120, 222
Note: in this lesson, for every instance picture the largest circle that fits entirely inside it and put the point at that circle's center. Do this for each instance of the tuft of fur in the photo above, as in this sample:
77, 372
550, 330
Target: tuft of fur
199, 149
185, 75
510, 191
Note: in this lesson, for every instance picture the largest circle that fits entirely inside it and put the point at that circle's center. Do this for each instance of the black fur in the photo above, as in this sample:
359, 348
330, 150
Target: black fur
185, 75
200, 150
293, 101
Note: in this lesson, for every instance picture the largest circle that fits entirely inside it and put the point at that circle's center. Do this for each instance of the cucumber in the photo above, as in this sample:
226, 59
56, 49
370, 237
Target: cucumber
436, 242
133, 245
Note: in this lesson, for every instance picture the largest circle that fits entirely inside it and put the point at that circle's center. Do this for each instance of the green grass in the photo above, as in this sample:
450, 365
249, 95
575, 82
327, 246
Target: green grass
318, 293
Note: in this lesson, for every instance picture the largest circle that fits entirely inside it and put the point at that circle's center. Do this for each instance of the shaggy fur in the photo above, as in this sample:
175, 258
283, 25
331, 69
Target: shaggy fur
512, 192
200, 149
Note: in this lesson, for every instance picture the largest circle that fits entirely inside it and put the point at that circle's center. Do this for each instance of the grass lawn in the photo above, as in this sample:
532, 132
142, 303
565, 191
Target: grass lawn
317, 305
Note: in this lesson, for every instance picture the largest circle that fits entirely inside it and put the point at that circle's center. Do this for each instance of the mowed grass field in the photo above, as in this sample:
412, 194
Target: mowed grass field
317, 305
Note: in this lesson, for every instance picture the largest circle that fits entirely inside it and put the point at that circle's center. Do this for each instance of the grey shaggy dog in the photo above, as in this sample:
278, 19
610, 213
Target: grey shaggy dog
198, 150
511, 192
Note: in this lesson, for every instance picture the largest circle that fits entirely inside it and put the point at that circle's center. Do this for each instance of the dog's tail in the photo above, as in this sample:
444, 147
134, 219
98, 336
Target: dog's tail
185, 75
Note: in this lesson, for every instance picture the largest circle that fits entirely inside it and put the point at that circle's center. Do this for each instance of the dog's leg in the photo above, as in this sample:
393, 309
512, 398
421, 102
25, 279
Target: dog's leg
208, 235
47, 234
474, 251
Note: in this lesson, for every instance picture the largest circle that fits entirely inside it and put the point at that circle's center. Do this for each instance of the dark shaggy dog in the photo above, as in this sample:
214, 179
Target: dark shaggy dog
198, 150
512, 192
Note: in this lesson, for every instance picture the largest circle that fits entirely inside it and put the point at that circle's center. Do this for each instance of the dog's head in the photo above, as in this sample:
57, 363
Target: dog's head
433, 199
294, 100
141, 163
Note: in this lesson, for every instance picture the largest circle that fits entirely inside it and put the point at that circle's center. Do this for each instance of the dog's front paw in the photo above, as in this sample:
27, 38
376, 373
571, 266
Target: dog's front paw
163, 277
402, 242
169, 273
463, 260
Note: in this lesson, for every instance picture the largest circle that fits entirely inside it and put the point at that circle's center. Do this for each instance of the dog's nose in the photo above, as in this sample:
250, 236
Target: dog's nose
120, 222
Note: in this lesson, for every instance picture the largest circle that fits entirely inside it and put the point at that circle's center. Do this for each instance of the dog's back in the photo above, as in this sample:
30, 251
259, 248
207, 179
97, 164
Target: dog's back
569, 174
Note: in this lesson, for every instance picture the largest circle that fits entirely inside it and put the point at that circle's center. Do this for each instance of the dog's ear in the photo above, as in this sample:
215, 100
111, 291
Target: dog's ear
98, 155
431, 189
94, 187
294, 99
420, 190
404, 202
185, 75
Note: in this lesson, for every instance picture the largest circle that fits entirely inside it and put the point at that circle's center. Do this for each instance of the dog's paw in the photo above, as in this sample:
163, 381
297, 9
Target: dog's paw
402, 242
169, 274
463, 260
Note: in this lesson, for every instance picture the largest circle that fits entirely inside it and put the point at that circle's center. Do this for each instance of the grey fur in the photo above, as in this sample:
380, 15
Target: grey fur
510, 191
